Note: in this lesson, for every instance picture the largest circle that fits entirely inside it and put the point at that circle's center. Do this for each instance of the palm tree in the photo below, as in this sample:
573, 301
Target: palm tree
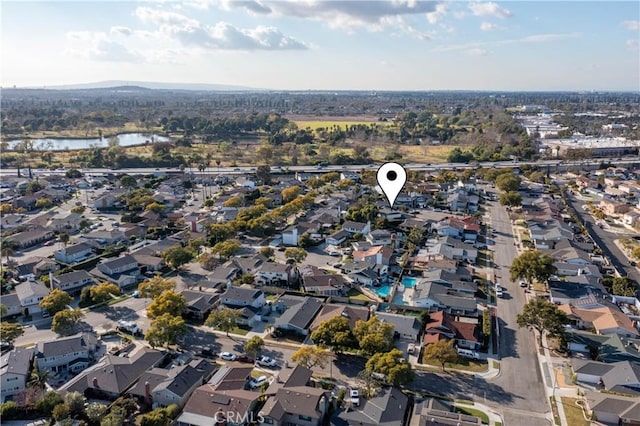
8, 248
39, 378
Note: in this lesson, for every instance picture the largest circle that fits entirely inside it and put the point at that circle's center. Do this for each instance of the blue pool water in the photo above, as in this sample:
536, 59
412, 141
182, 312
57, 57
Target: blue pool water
409, 282
383, 291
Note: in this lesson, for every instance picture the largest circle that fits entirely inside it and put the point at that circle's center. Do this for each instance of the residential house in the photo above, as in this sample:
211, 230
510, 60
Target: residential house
30, 294
381, 237
388, 407
240, 297
613, 409
74, 253
297, 313
337, 238
356, 227
122, 270
10, 221
149, 263
571, 255
225, 393
224, 274
245, 182
434, 412
272, 273
12, 303
108, 200
434, 296
378, 255
199, 304
104, 238
611, 207
161, 387
465, 331
608, 348
621, 377
296, 405
114, 374
404, 327
72, 281
605, 319
31, 238
66, 354
70, 223
324, 283
351, 312
247, 265
15, 372
631, 218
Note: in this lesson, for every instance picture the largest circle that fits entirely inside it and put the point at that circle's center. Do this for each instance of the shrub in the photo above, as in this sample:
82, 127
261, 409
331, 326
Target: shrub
9, 410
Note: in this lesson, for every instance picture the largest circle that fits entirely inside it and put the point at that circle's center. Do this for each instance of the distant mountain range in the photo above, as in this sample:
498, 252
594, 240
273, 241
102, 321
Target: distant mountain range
142, 85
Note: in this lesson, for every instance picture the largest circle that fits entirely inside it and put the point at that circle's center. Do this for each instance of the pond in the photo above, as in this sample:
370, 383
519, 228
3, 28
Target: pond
125, 139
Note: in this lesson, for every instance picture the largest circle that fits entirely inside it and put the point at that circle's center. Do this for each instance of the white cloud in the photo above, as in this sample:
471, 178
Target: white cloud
489, 9
536, 38
373, 15
121, 31
488, 26
98, 47
477, 52
221, 36
435, 16
632, 25
632, 44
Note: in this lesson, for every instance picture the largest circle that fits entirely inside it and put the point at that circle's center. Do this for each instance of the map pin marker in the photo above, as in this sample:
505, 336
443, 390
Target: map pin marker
391, 179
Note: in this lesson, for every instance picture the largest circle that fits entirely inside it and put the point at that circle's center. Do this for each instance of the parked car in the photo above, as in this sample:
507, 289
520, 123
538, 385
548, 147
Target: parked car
523, 283
265, 361
257, 382
354, 397
207, 352
499, 292
245, 358
228, 356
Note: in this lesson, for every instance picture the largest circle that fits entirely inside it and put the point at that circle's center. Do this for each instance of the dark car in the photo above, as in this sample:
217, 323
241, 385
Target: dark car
207, 352
245, 358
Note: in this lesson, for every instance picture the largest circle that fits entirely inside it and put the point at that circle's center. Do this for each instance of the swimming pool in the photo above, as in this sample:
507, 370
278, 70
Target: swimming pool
409, 282
383, 291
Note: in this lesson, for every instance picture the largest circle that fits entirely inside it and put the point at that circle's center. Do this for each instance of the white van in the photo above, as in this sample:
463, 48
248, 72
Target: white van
468, 353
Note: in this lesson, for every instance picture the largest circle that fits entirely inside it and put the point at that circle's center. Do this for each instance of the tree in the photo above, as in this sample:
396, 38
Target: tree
441, 351
511, 199
311, 356
64, 238
50, 399
374, 335
155, 207
508, 182
220, 232
368, 383
103, 292
208, 261
75, 401
263, 173
254, 345
623, 286
542, 316
532, 266
154, 287
157, 417
56, 301
128, 182
3, 309
60, 412
226, 249
169, 302
43, 203
233, 202
176, 256
95, 411
290, 193
296, 254
165, 330
267, 252
393, 365
64, 321
10, 331
38, 380
335, 334
73, 174
223, 319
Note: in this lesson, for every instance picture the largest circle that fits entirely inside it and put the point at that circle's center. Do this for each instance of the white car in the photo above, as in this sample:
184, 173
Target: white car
265, 361
354, 397
256, 383
228, 356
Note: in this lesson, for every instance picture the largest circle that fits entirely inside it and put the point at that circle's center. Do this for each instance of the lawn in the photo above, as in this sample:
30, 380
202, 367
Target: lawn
327, 124
355, 294
240, 331
573, 412
462, 364
472, 412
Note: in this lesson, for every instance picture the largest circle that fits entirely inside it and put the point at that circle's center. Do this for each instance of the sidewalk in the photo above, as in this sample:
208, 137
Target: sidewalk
494, 416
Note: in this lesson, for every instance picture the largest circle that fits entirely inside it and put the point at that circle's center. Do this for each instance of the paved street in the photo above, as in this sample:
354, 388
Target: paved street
520, 377
605, 240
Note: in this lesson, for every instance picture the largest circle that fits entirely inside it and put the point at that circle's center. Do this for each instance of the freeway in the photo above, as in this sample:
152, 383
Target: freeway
555, 165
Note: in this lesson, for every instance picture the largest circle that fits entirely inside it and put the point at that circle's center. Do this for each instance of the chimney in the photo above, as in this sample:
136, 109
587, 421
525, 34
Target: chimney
147, 392
95, 382
51, 280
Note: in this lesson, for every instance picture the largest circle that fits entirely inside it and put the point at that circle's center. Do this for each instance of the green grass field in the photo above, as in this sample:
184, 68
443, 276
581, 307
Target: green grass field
573, 412
326, 124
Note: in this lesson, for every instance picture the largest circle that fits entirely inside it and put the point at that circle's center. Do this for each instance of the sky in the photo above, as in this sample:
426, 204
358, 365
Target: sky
325, 45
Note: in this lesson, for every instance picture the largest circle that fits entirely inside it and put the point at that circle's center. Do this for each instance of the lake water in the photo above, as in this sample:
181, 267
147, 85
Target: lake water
125, 139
